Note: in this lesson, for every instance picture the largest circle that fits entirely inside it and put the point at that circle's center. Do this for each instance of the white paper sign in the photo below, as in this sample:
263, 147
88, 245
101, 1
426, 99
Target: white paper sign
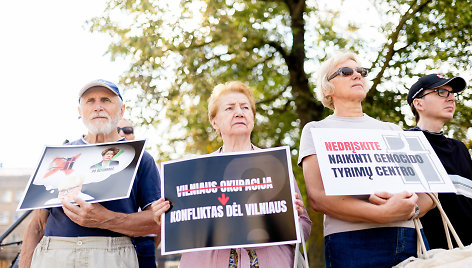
93, 172
365, 161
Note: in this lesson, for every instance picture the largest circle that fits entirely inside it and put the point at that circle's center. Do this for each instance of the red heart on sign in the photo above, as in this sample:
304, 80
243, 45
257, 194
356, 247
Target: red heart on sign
223, 199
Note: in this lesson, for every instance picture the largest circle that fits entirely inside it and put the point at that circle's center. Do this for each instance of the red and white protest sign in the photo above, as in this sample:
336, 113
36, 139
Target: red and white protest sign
365, 161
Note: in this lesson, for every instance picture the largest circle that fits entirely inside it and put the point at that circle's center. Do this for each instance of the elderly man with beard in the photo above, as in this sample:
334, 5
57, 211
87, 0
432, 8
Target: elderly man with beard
95, 235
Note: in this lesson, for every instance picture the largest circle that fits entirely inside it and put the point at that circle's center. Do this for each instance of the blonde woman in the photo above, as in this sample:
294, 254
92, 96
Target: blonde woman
232, 112
359, 231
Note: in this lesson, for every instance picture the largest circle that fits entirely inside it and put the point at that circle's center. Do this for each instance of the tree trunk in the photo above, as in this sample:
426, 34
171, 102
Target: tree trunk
308, 109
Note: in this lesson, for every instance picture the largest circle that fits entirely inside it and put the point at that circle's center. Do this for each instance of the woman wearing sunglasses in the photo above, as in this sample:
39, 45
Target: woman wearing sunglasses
360, 231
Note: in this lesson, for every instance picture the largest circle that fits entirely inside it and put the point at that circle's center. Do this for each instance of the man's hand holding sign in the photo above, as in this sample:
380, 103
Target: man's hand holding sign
91, 215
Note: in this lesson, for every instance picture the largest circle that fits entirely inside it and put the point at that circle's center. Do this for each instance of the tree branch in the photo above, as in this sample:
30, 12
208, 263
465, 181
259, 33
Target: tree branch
266, 59
274, 97
279, 49
285, 108
394, 38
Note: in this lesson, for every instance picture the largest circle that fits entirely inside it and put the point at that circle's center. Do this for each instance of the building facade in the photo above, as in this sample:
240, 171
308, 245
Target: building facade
12, 186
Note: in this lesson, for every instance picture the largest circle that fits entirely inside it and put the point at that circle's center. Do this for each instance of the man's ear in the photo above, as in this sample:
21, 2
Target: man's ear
122, 112
418, 103
80, 111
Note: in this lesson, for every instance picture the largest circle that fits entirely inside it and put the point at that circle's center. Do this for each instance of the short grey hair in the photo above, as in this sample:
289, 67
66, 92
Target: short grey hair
325, 88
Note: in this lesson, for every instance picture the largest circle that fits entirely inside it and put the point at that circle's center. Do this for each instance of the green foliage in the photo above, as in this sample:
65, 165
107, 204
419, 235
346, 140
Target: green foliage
251, 41
426, 37
179, 50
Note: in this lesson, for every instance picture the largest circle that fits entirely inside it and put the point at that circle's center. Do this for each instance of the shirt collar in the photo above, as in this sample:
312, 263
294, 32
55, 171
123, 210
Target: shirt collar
220, 150
441, 133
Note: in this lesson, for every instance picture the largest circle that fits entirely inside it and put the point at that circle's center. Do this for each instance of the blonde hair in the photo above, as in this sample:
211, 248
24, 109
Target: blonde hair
229, 87
324, 88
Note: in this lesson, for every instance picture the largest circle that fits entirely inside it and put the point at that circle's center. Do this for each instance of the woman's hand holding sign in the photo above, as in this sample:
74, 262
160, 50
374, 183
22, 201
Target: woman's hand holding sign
158, 208
380, 198
395, 207
299, 204
424, 202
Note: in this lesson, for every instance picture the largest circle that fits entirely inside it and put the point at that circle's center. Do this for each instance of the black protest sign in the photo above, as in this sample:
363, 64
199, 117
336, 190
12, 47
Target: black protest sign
229, 200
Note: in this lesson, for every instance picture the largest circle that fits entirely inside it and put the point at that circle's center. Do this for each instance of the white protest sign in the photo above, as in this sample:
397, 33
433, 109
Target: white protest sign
93, 172
365, 161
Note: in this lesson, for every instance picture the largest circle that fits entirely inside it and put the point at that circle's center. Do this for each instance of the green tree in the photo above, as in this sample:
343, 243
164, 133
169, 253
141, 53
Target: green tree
423, 36
179, 50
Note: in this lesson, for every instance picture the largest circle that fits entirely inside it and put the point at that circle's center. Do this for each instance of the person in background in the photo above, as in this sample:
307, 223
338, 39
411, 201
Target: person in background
359, 231
125, 129
232, 111
145, 245
433, 102
98, 234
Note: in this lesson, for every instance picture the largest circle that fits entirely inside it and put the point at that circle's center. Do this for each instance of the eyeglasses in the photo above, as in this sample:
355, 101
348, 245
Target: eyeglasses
347, 71
442, 92
126, 130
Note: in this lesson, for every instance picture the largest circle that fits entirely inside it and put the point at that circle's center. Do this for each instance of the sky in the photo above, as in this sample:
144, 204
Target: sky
46, 55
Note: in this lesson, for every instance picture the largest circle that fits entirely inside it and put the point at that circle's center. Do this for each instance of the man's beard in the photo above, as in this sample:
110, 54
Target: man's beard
96, 128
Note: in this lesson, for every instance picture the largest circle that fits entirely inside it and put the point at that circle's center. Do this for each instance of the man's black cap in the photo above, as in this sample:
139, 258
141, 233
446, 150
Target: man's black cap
433, 81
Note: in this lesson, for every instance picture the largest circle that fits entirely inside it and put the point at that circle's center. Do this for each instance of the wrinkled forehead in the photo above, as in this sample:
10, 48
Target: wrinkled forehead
347, 63
234, 97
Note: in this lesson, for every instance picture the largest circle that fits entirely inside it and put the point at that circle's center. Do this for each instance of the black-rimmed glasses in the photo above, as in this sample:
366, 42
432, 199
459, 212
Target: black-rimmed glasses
347, 71
126, 130
442, 92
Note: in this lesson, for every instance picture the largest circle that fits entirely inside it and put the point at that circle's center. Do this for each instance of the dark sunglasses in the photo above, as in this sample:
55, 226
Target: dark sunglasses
126, 130
442, 92
347, 71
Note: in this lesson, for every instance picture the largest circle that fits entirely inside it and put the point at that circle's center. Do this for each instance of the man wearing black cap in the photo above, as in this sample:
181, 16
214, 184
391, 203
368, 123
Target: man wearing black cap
95, 235
432, 101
